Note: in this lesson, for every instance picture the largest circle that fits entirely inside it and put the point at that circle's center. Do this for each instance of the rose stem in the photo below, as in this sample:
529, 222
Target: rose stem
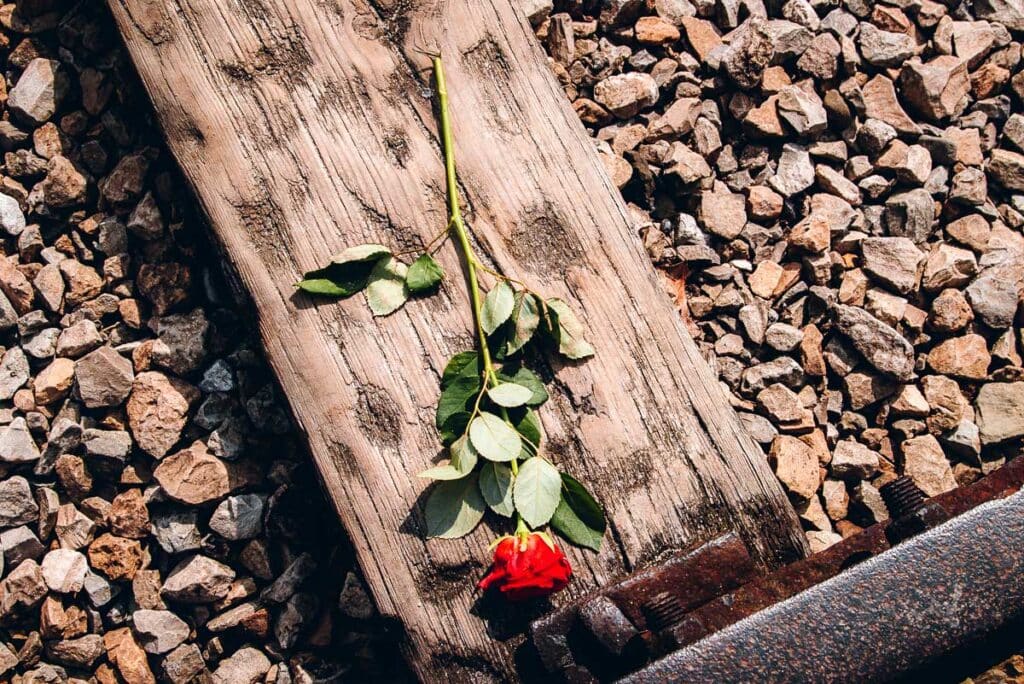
457, 224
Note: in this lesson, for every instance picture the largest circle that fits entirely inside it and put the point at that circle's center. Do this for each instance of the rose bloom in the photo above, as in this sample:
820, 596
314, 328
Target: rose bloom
527, 565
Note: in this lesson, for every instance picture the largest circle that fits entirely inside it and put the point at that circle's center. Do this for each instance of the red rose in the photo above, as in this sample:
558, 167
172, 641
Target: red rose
527, 565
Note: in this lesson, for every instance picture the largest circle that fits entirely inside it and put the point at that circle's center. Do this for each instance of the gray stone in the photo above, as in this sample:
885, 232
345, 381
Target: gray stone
177, 531
38, 92
885, 48
882, 346
894, 261
1007, 169
802, 110
996, 292
296, 615
99, 590
910, 214
853, 460
18, 544
198, 579
219, 377
80, 653
749, 54
1000, 411
354, 601
281, 589
145, 220
159, 631
795, 171
184, 664
16, 443
79, 338
17, 506
64, 571
104, 378
181, 343
12, 219
239, 517
14, 372
245, 666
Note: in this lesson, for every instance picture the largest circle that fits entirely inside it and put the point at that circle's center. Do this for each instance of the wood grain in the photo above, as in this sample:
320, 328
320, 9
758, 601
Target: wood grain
305, 126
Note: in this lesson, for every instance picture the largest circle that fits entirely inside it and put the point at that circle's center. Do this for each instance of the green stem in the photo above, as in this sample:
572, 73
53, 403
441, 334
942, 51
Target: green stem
455, 221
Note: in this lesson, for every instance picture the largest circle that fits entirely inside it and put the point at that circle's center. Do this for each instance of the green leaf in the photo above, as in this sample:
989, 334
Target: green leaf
463, 460
579, 518
454, 427
529, 427
336, 280
456, 398
496, 487
537, 491
509, 394
570, 331
459, 365
368, 252
494, 438
526, 317
386, 291
497, 306
527, 378
424, 275
454, 507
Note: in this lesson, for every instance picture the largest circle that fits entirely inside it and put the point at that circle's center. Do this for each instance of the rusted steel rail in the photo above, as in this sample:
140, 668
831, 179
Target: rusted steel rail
937, 574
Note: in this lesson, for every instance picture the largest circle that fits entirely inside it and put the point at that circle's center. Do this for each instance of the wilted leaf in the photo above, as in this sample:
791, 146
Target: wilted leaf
526, 318
368, 252
570, 331
386, 290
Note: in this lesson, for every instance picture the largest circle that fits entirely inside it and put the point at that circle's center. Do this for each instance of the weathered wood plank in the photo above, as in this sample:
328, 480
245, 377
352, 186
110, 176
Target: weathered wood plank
304, 127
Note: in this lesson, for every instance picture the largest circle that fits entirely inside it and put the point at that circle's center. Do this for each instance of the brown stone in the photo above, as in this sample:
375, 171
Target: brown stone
193, 476
965, 357
950, 311
927, 466
947, 403
128, 656
116, 557
83, 282
811, 234
128, 515
937, 89
54, 382
165, 286
655, 31
796, 466
702, 36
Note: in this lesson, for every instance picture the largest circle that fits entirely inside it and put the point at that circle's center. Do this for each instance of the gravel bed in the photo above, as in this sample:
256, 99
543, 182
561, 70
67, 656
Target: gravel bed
835, 194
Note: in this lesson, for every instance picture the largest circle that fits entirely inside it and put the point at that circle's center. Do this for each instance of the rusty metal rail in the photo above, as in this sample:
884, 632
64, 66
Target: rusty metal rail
675, 613
880, 619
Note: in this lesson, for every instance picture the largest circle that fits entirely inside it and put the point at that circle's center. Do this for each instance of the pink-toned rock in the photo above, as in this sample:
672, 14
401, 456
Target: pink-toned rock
965, 357
157, 410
